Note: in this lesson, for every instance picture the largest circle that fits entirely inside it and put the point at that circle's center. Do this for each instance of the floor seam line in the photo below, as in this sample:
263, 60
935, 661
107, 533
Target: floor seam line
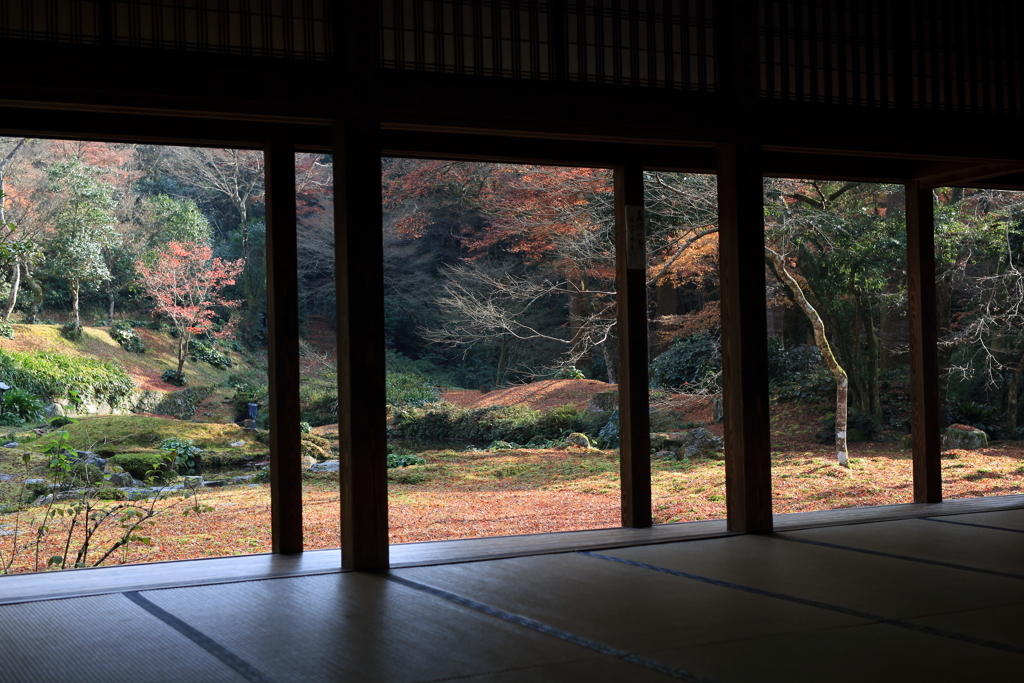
226, 656
547, 629
980, 526
907, 558
815, 603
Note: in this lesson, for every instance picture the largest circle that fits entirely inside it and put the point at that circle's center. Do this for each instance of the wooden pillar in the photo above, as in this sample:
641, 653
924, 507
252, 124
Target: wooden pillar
283, 349
631, 296
744, 339
924, 360
362, 416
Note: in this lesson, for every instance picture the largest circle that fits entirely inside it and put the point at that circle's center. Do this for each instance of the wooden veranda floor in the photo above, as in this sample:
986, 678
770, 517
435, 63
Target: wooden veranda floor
898, 594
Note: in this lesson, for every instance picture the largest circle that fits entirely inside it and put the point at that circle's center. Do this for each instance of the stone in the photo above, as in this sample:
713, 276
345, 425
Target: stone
328, 466
216, 483
665, 455
577, 439
121, 479
89, 458
237, 444
11, 444
702, 443
308, 460
963, 437
242, 479
604, 401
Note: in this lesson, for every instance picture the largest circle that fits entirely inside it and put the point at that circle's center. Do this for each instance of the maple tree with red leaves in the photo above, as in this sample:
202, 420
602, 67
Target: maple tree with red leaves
186, 285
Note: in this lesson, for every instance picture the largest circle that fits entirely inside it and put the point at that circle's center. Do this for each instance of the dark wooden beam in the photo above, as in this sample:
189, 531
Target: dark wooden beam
744, 339
924, 361
631, 301
362, 417
951, 174
283, 348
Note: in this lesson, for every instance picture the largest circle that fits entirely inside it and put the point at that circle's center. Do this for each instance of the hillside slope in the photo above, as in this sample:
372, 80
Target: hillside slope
144, 368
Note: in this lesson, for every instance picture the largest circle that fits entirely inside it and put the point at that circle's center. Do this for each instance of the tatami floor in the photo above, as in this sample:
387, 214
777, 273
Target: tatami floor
935, 598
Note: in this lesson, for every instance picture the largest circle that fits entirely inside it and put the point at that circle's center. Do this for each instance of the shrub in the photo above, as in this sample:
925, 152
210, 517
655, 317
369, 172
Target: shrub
6, 330
569, 372
204, 352
61, 421
514, 424
71, 331
183, 454
142, 465
127, 337
693, 361
246, 392
55, 376
404, 460
409, 389
22, 404
171, 376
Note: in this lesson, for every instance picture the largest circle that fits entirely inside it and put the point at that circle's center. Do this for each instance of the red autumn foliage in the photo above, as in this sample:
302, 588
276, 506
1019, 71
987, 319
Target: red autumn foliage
186, 285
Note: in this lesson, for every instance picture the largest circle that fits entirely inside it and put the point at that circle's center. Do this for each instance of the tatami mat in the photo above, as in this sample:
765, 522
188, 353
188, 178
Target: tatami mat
878, 585
917, 599
991, 550
103, 639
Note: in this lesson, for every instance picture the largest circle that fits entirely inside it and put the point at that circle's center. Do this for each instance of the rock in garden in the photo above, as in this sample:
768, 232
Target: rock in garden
604, 402
121, 479
11, 444
242, 479
577, 439
89, 458
217, 483
702, 443
237, 444
963, 437
328, 466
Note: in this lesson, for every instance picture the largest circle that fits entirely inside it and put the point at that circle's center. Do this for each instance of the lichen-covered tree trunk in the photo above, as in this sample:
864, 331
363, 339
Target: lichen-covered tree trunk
842, 381
76, 319
37, 294
609, 362
12, 298
1011, 400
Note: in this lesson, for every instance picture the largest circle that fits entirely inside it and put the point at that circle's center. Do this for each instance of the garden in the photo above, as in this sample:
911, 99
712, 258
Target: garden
133, 349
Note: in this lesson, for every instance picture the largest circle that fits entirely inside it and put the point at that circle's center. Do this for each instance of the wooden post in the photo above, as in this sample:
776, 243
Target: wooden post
744, 339
362, 416
924, 359
631, 297
283, 349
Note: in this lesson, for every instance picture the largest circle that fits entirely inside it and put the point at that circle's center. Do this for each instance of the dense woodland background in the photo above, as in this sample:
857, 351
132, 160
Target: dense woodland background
499, 274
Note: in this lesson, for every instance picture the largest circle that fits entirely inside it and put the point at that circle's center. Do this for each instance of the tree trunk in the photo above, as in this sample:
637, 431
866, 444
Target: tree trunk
1011, 400
182, 352
110, 304
76, 319
37, 294
609, 363
500, 377
842, 381
943, 296
875, 403
12, 298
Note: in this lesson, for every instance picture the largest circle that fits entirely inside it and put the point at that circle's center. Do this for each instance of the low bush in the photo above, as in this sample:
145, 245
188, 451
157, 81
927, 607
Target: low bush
142, 465
184, 455
56, 376
201, 351
693, 361
71, 331
409, 389
6, 330
516, 424
22, 405
171, 376
125, 335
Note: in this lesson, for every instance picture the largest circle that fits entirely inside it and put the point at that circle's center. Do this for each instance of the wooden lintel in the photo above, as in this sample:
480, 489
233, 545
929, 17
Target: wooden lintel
283, 348
944, 175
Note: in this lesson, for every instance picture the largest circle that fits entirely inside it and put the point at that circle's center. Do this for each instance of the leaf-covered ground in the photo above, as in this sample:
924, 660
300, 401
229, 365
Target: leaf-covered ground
458, 494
